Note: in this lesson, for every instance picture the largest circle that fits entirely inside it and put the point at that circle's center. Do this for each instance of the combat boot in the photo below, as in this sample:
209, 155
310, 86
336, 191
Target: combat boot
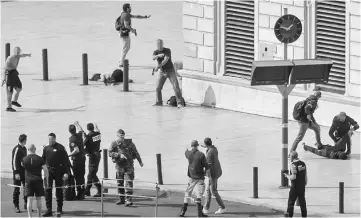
87, 190
120, 201
183, 210
200, 208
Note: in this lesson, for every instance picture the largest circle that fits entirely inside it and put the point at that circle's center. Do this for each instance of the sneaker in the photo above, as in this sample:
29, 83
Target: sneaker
205, 211
17, 209
16, 104
59, 211
128, 203
220, 211
180, 106
158, 104
10, 109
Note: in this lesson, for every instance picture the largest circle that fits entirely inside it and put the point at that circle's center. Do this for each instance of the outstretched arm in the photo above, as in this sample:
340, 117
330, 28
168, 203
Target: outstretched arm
140, 16
25, 55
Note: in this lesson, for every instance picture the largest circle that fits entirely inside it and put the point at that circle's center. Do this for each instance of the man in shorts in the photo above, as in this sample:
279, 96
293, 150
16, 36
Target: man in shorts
197, 167
11, 78
33, 165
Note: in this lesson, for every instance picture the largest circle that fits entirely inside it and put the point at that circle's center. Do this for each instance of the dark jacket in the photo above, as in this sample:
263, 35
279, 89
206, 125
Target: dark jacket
215, 170
19, 152
309, 109
56, 158
197, 164
339, 129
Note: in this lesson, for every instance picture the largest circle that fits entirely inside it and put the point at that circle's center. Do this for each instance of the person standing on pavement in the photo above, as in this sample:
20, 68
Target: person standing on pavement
212, 175
33, 165
92, 149
125, 28
123, 152
342, 129
18, 153
56, 159
11, 78
77, 155
298, 179
197, 166
166, 70
307, 121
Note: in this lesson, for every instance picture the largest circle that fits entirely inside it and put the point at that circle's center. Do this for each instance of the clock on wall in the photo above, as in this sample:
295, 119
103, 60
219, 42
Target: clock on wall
288, 28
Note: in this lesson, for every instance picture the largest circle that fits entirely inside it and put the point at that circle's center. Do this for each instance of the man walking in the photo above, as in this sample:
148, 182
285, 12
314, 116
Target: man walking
11, 78
307, 121
342, 129
212, 175
92, 149
197, 166
18, 153
78, 157
56, 159
123, 152
125, 21
166, 70
33, 165
298, 179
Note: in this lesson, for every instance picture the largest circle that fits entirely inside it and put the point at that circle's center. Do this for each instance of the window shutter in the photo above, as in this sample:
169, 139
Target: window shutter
330, 41
239, 38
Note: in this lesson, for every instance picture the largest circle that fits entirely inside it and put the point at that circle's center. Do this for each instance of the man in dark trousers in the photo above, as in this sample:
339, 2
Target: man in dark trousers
213, 173
166, 70
342, 129
19, 152
298, 179
92, 149
197, 166
56, 159
307, 121
326, 151
123, 152
77, 155
33, 165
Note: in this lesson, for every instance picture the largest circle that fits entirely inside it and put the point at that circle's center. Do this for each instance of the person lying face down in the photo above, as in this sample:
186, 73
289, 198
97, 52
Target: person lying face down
115, 77
326, 151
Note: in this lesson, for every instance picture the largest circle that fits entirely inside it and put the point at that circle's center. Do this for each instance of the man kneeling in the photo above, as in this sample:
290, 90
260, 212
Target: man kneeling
326, 151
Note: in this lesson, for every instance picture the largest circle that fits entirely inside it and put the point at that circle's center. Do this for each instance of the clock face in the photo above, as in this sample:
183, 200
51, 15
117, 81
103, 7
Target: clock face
288, 28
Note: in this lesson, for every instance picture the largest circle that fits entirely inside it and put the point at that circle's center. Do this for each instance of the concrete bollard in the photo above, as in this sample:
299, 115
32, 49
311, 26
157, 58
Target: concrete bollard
85, 69
126, 76
45, 65
297, 202
255, 182
7, 50
105, 169
159, 169
341, 197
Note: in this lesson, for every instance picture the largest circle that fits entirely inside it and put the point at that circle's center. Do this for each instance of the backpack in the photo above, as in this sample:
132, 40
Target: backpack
297, 110
118, 25
173, 101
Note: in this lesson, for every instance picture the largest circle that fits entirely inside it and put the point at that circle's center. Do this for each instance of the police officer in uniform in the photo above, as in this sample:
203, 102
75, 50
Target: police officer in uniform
123, 152
92, 149
77, 154
19, 152
56, 159
298, 179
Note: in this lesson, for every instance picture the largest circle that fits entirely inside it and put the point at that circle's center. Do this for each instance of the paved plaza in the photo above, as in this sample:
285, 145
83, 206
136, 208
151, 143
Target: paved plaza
244, 141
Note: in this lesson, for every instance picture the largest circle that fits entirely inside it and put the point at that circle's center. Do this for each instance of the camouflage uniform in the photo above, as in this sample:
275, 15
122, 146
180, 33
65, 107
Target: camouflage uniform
124, 166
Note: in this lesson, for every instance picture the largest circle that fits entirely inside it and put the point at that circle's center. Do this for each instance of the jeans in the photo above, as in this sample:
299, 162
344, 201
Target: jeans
297, 192
125, 48
192, 183
126, 174
303, 128
211, 189
162, 77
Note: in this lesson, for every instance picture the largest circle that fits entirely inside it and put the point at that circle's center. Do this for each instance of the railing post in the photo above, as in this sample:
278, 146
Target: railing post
126, 76
341, 197
105, 169
85, 69
159, 169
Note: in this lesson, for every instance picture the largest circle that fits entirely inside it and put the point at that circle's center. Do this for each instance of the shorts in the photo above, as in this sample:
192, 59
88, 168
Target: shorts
192, 183
34, 188
13, 80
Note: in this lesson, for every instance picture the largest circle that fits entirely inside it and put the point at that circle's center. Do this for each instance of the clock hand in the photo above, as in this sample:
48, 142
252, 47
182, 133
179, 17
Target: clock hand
282, 27
289, 28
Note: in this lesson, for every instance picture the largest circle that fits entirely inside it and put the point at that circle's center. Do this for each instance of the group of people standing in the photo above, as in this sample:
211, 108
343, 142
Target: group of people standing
57, 167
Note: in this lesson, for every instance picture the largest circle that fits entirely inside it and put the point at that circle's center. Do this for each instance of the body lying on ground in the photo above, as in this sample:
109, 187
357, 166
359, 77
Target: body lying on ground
327, 151
115, 77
